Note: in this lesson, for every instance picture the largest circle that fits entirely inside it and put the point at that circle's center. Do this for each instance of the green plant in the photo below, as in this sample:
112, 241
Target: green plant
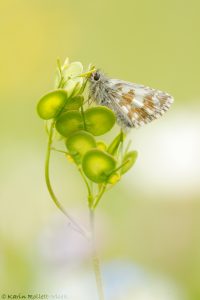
101, 166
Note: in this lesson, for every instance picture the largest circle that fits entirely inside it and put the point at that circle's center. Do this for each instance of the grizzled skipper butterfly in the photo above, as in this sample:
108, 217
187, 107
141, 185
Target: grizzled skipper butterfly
133, 104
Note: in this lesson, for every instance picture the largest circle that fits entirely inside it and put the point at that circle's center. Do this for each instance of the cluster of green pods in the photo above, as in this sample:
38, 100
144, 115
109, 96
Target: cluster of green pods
80, 129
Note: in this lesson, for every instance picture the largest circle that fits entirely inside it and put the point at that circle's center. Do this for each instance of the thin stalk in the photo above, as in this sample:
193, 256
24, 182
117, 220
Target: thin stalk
118, 168
98, 198
76, 226
61, 151
61, 74
127, 147
90, 195
95, 258
84, 122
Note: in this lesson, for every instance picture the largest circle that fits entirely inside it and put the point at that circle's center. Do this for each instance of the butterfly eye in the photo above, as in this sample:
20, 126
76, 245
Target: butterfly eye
96, 76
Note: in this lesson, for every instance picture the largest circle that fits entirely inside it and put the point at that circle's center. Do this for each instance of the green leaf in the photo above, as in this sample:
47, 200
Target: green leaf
99, 120
113, 147
79, 143
98, 165
129, 159
51, 104
69, 122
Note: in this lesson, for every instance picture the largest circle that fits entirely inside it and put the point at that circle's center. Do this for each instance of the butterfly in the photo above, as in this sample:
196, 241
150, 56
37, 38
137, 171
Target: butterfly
133, 104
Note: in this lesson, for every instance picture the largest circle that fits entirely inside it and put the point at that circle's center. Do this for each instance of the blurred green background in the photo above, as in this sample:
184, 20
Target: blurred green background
150, 220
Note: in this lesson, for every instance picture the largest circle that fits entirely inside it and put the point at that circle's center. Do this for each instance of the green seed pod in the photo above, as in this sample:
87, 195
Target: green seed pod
79, 143
69, 158
114, 178
101, 145
99, 120
97, 165
74, 103
69, 122
51, 104
113, 147
130, 158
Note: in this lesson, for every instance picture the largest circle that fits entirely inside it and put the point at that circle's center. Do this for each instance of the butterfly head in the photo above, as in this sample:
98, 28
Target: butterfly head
97, 77
98, 86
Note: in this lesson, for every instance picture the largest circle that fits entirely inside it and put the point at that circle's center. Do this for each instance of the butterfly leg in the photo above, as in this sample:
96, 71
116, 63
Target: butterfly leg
89, 100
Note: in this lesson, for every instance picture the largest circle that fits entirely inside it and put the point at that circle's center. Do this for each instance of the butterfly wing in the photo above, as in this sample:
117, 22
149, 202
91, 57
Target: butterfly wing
137, 103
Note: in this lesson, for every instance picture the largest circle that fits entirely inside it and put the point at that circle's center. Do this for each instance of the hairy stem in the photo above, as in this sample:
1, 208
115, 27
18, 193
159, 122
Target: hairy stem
73, 222
95, 259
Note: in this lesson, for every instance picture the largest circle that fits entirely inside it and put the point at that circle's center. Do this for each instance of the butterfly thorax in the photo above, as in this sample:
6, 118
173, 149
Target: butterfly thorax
99, 90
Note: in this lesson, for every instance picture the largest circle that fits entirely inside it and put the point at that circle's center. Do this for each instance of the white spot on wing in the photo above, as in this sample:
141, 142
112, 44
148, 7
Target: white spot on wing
159, 102
124, 108
138, 101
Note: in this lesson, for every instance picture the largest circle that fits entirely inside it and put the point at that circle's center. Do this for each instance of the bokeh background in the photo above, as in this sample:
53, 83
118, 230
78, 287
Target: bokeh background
148, 227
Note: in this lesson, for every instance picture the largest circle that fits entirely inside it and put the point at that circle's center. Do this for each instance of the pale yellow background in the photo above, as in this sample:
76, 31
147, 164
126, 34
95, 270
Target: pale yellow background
152, 218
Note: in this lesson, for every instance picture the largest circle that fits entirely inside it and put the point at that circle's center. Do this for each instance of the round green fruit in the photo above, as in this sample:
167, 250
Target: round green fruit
99, 120
51, 104
69, 122
98, 165
79, 143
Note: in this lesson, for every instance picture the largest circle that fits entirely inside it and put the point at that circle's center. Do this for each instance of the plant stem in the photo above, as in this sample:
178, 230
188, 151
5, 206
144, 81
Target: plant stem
98, 198
95, 259
76, 226
121, 166
82, 113
90, 195
61, 151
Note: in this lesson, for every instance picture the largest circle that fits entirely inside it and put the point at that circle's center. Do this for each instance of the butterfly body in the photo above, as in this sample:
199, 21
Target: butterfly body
133, 104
